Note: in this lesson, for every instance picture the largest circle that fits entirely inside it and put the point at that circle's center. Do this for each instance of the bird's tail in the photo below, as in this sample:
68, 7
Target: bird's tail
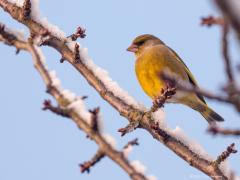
210, 115
205, 111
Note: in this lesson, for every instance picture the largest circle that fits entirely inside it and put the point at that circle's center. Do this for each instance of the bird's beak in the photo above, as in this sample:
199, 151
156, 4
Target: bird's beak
132, 48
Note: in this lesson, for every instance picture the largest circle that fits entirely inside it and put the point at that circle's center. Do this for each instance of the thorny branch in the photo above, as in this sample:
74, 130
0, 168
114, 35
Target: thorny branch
132, 113
104, 147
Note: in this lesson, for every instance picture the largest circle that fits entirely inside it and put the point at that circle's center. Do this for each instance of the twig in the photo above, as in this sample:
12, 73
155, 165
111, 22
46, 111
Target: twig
164, 96
47, 105
211, 20
225, 154
132, 143
80, 33
227, 61
231, 13
184, 86
85, 167
223, 131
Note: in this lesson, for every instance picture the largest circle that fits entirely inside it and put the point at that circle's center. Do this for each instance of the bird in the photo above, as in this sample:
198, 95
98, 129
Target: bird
154, 57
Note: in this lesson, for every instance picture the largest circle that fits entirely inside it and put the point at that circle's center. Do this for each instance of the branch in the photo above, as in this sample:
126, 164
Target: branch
211, 20
184, 86
65, 103
57, 110
128, 109
224, 24
231, 11
218, 130
227, 61
85, 167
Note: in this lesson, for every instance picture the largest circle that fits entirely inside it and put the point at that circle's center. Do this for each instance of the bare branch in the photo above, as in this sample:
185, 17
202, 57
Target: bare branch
211, 20
227, 61
189, 88
231, 13
223, 131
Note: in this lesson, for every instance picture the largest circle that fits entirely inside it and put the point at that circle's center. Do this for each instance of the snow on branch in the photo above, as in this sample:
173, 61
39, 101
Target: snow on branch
72, 106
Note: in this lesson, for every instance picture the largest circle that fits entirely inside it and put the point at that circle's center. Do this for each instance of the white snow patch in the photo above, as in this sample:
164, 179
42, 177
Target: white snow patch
110, 140
126, 151
138, 166
19, 3
79, 107
159, 117
151, 177
100, 122
42, 57
193, 145
225, 167
19, 33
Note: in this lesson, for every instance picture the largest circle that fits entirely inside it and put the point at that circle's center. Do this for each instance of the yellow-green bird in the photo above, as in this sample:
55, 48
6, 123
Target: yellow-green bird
153, 57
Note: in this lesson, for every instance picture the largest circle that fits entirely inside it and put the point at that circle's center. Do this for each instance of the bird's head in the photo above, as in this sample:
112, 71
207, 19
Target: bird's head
143, 42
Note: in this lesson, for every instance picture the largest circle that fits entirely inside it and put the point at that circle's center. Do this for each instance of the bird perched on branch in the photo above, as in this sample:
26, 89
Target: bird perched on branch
154, 58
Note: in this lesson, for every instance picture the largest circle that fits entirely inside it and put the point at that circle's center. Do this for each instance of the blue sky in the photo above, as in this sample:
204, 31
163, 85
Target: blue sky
40, 145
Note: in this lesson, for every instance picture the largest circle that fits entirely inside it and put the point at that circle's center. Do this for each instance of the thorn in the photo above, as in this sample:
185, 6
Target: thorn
84, 97
2, 27
62, 60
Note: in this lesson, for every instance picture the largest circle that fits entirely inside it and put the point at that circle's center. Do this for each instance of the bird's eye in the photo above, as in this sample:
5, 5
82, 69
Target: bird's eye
140, 43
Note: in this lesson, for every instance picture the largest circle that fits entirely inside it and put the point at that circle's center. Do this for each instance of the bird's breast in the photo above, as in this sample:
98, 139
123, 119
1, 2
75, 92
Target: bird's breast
148, 72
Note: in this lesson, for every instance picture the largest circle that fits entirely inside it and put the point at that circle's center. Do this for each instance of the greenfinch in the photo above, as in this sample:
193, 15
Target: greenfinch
153, 57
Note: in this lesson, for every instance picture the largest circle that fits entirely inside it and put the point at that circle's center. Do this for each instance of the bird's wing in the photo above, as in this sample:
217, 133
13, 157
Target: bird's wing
190, 75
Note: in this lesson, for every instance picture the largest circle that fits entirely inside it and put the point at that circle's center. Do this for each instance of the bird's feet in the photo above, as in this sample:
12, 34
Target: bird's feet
166, 93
